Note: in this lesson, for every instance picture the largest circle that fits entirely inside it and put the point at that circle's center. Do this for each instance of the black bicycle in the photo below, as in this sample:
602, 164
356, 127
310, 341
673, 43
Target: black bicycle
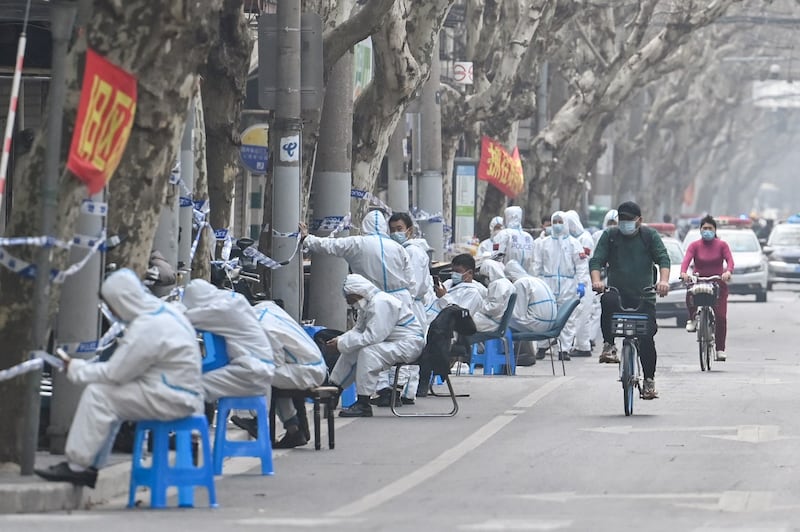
705, 292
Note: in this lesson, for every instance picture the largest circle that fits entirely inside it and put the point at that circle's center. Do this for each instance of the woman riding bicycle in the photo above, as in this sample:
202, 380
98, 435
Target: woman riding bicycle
708, 255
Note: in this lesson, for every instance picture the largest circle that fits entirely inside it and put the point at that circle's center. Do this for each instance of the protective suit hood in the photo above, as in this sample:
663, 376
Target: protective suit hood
513, 217
127, 296
573, 222
360, 286
496, 220
492, 269
610, 215
514, 271
374, 223
199, 293
559, 214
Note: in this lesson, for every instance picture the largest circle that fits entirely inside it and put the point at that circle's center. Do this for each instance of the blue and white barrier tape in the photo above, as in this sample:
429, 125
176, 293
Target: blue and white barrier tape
95, 208
36, 362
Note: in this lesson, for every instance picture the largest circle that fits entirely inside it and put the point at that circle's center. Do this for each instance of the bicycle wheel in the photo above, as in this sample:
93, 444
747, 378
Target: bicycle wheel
628, 364
710, 334
702, 338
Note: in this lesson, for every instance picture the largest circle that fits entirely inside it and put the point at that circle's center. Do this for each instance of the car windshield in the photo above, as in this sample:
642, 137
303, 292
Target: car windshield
741, 241
785, 235
675, 250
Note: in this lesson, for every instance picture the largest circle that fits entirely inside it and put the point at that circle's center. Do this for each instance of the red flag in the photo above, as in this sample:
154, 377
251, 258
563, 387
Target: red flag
104, 121
502, 170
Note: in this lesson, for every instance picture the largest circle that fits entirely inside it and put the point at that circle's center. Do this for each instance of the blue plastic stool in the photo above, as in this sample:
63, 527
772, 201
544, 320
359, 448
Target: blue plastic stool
493, 358
259, 448
184, 474
349, 396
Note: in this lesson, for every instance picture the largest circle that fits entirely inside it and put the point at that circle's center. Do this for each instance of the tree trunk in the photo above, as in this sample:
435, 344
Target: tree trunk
204, 253
133, 36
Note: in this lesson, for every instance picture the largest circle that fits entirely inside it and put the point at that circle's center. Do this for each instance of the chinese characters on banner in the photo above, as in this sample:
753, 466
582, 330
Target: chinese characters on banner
499, 168
104, 121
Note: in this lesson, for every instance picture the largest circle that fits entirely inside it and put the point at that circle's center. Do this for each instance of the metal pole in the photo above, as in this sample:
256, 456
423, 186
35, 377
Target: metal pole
186, 189
287, 158
62, 16
398, 177
331, 193
430, 179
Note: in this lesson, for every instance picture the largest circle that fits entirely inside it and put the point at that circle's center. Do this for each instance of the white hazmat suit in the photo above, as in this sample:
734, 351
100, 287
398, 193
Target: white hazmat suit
385, 333
372, 255
154, 373
468, 295
611, 218
513, 242
486, 248
298, 360
560, 262
498, 293
582, 316
535, 309
251, 365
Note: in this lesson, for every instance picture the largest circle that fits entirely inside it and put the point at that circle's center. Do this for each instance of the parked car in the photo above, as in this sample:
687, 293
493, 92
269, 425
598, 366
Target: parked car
783, 253
674, 304
750, 264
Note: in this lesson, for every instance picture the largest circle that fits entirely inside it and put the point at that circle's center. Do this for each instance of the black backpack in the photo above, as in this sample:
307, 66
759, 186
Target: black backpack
646, 234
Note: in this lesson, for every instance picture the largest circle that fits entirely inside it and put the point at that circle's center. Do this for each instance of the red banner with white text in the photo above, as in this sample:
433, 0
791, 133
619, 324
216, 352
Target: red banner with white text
501, 169
104, 121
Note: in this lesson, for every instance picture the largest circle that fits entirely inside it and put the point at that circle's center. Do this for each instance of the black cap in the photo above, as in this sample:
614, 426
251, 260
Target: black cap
629, 209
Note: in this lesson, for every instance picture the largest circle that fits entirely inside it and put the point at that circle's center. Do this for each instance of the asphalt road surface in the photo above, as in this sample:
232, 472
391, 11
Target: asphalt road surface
716, 452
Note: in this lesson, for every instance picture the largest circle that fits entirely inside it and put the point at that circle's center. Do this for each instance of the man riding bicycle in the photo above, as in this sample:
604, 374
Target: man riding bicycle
629, 253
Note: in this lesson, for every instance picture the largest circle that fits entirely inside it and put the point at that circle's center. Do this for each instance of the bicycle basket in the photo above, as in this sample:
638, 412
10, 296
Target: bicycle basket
704, 294
629, 324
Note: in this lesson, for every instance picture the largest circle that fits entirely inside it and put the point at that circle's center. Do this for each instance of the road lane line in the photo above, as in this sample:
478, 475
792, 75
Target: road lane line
446, 459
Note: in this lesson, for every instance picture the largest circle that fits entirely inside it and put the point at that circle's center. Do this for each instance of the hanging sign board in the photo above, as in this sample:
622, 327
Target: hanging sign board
499, 168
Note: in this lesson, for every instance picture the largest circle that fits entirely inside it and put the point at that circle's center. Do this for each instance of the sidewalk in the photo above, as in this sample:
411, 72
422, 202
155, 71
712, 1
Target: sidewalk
31, 494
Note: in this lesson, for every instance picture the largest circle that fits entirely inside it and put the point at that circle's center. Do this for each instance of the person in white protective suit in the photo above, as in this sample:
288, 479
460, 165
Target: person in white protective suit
611, 219
486, 248
251, 365
498, 293
402, 231
461, 289
536, 308
299, 366
372, 255
581, 318
560, 261
386, 332
155, 373
513, 242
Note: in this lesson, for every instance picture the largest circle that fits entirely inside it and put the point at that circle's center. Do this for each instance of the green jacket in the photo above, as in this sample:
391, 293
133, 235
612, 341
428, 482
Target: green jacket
628, 262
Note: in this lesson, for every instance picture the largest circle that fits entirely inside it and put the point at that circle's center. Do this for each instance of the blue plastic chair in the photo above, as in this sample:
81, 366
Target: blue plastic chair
184, 474
261, 447
215, 352
492, 358
562, 316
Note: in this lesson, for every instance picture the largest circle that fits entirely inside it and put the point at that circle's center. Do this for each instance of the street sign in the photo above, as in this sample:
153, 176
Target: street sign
464, 190
254, 151
462, 72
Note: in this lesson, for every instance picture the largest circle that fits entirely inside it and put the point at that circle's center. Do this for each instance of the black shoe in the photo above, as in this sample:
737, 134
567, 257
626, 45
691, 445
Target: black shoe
406, 401
62, 473
527, 359
291, 440
248, 424
581, 353
541, 353
385, 397
357, 410
563, 355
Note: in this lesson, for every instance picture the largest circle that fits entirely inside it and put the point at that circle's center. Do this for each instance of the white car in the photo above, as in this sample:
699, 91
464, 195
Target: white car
674, 304
750, 274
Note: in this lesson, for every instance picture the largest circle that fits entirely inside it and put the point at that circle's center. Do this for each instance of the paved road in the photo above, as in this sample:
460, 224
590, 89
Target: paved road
716, 452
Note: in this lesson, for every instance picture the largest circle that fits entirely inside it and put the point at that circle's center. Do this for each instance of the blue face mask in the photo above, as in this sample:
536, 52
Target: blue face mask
548, 230
456, 278
627, 227
399, 237
707, 234
558, 229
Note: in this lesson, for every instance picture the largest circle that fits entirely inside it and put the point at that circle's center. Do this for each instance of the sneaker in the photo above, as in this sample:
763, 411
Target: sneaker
720, 356
63, 473
526, 359
384, 398
357, 410
250, 424
407, 401
563, 355
541, 353
691, 326
609, 354
291, 440
580, 353
649, 389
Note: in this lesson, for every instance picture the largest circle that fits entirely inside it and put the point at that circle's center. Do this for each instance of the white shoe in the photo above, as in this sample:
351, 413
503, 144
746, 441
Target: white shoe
721, 356
691, 326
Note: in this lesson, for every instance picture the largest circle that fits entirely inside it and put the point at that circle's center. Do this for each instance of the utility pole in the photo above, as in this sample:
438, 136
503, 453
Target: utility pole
398, 177
186, 211
429, 189
62, 17
287, 160
331, 193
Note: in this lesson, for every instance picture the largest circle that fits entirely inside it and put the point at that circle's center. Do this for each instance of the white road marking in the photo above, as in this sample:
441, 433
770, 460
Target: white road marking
753, 434
444, 460
517, 524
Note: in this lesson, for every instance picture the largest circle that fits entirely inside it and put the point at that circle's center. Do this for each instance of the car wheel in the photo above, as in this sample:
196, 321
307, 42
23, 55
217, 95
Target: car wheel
761, 297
